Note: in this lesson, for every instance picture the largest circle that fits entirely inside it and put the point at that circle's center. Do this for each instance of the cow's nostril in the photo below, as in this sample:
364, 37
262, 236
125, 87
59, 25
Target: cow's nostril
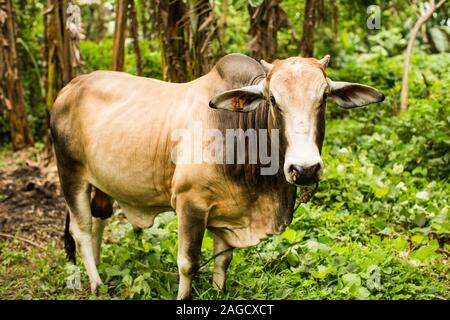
295, 172
293, 168
315, 168
304, 175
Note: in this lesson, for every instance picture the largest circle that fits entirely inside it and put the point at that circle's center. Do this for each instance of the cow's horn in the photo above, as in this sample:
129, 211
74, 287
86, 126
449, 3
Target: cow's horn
325, 61
267, 66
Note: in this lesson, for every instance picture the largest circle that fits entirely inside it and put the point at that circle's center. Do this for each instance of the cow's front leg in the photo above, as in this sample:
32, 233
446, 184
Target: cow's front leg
221, 262
191, 228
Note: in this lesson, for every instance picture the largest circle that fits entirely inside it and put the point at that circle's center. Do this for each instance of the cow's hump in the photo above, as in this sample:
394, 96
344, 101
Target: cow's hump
238, 70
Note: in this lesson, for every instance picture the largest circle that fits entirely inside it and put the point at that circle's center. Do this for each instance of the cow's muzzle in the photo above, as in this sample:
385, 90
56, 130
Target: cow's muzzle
305, 175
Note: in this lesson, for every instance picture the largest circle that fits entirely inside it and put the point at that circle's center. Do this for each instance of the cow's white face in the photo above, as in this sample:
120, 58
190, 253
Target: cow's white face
297, 88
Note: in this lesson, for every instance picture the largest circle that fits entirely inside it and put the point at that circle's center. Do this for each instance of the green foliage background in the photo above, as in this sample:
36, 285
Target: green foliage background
379, 227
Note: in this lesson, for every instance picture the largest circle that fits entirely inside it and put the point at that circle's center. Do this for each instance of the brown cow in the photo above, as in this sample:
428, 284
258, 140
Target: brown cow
114, 133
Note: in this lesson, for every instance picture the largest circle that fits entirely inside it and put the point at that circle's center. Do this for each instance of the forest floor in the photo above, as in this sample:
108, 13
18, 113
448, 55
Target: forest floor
32, 213
31, 204
32, 217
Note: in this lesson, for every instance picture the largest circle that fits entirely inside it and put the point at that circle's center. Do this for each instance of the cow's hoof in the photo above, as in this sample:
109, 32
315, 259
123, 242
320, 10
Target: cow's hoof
219, 280
95, 288
220, 288
184, 296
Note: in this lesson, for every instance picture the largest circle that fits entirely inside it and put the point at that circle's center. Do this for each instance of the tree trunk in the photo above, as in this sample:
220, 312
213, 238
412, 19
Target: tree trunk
335, 9
167, 17
307, 42
223, 26
62, 36
412, 38
95, 23
62, 59
135, 35
265, 22
145, 12
154, 19
101, 28
118, 57
200, 33
185, 30
11, 90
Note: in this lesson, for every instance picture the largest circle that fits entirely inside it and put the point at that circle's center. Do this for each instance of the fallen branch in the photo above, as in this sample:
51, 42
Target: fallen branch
21, 239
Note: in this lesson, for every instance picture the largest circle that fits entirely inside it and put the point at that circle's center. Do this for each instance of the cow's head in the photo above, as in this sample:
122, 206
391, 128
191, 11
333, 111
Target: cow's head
297, 88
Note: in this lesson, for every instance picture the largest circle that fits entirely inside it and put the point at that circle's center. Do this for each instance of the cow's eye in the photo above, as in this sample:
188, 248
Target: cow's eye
272, 100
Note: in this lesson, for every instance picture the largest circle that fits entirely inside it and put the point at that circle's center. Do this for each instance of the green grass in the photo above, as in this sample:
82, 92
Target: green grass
292, 266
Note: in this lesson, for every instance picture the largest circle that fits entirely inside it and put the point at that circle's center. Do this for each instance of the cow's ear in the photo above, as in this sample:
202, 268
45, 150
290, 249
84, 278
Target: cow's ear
352, 95
244, 99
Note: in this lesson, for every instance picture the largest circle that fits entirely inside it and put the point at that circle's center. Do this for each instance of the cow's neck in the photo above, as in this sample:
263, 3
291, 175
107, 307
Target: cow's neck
267, 118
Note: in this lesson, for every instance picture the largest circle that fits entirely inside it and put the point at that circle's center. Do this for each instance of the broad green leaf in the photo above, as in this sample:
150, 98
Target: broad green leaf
419, 238
400, 243
293, 236
398, 168
293, 259
362, 293
427, 252
351, 279
322, 272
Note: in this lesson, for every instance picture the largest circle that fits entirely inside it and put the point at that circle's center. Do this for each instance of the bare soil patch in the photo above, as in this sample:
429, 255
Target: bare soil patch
31, 203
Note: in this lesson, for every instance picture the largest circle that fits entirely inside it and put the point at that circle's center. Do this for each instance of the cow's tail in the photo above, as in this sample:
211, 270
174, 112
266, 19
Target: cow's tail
69, 242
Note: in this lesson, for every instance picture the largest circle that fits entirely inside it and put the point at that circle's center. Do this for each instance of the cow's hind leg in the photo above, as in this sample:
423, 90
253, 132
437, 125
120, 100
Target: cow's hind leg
221, 262
98, 225
101, 208
191, 228
77, 195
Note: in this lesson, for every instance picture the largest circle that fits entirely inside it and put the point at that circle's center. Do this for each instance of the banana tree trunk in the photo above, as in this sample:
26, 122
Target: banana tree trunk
135, 34
11, 90
118, 57
185, 30
307, 42
62, 58
265, 22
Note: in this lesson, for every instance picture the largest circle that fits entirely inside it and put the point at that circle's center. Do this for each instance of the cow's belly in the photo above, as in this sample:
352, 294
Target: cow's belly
141, 217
